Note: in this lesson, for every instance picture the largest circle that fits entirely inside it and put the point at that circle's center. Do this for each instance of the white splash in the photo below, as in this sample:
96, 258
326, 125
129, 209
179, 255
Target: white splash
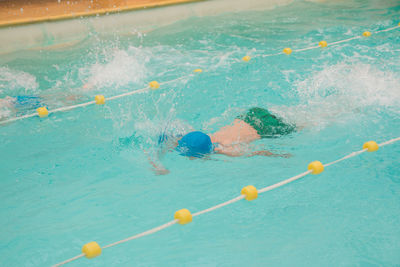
171, 128
122, 67
11, 80
343, 89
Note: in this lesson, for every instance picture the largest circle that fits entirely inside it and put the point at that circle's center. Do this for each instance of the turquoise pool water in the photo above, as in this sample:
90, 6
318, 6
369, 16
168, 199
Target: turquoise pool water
82, 175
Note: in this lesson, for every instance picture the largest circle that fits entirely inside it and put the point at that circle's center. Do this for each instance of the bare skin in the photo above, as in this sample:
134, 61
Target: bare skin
233, 137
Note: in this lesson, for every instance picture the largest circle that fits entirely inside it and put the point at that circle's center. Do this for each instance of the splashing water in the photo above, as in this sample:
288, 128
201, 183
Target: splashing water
340, 91
122, 68
13, 82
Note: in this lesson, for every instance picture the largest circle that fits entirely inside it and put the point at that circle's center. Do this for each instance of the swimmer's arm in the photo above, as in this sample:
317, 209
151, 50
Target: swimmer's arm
64, 98
158, 168
268, 154
236, 151
231, 151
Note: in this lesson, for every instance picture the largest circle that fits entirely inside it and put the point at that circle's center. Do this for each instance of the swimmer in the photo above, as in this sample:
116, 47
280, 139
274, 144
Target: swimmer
233, 140
14, 105
23, 103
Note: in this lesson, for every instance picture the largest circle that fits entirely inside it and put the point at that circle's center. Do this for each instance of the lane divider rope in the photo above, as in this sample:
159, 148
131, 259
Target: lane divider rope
92, 249
326, 44
138, 91
43, 112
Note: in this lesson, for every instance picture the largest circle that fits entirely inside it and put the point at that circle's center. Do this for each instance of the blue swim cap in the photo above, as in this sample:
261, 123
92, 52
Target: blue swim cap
195, 144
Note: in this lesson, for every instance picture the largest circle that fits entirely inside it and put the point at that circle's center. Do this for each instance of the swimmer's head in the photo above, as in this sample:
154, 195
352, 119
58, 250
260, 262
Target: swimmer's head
195, 144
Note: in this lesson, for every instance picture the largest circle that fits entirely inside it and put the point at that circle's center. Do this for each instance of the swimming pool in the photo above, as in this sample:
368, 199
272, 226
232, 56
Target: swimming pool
82, 175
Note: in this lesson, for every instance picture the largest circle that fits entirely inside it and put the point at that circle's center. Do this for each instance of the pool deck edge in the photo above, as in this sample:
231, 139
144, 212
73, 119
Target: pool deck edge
95, 12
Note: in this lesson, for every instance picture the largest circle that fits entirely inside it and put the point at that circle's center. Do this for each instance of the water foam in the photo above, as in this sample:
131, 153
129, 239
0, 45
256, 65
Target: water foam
151, 135
121, 68
11, 80
343, 89
13, 83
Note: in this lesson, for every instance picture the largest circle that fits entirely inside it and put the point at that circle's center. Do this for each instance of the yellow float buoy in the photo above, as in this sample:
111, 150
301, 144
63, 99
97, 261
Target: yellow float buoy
154, 85
91, 250
371, 146
100, 99
246, 58
183, 216
287, 51
198, 70
316, 167
366, 34
323, 44
42, 112
249, 192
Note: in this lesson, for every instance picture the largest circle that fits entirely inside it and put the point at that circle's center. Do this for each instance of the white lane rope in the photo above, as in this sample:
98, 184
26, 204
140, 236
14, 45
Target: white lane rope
18, 118
305, 49
149, 232
138, 91
269, 188
390, 141
71, 107
219, 206
361, 151
69, 260
346, 40
226, 203
388, 29
146, 88
329, 43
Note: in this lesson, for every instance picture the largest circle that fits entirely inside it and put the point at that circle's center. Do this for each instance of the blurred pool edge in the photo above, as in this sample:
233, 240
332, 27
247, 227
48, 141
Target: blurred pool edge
64, 33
